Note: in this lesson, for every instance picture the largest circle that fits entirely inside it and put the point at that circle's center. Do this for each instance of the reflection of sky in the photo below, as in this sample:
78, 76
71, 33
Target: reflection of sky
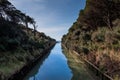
54, 67
54, 17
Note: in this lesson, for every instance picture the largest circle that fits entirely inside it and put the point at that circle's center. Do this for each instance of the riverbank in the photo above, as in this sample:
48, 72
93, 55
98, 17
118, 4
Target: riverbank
94, 72
94, 39
20, 46
19, 75
77, 65
21, 61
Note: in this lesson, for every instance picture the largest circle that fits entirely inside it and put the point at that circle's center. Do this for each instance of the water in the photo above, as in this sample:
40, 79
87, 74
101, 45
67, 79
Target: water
59, 66
54, 67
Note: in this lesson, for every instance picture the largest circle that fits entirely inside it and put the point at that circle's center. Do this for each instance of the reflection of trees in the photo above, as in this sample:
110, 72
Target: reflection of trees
34, 78
77, 66
35, 69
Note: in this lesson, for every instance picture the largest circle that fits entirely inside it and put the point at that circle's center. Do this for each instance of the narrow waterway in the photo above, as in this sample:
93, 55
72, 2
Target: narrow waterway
56, 66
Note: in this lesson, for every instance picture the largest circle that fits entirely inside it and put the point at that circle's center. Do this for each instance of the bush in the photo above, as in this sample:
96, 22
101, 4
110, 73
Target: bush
39, 45
2, 48
117, 36
85, 50
116, 47
98, 37
87, 37
77, 33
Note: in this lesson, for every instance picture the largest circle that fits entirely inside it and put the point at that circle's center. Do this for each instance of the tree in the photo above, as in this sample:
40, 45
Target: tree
9, 13
34, 25
90, 19
31, 21
99, 13
87, 18
106, 10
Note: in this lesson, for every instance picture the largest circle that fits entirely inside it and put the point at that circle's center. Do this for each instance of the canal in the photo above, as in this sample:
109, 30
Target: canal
59, 66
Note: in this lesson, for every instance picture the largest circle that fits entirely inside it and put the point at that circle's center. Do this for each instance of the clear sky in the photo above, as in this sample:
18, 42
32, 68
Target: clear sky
53, 17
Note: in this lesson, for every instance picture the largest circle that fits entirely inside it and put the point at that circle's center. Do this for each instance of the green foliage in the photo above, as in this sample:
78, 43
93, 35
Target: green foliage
9, 13
100, 38
17, 47
18, 43
99, 13
77, 33
2, 48
97, 31
87, 37
40, 45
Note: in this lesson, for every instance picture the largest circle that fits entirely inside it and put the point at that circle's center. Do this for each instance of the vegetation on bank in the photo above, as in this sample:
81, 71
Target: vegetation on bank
19, 44
79, 70
96, 35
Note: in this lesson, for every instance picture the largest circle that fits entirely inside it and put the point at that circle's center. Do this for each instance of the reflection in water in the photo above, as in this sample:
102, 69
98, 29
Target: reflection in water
77, 66
36, 69
58, 66
54, 67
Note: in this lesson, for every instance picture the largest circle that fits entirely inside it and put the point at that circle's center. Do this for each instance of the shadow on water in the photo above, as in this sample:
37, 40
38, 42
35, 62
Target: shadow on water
52, 67
60, 64
77, 66
35, 69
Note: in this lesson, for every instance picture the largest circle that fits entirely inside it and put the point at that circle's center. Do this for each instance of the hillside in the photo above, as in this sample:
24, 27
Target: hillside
96, 35
19, 44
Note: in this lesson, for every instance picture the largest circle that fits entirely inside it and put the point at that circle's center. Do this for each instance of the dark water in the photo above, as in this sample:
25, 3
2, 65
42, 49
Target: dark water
59, 66
54, 67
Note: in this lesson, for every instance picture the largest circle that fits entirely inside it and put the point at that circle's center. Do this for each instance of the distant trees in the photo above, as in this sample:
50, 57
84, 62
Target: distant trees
100, 12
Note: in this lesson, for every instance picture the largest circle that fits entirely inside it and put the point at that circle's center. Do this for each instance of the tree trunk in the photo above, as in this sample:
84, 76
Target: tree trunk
26, 25
109, 23
34, 30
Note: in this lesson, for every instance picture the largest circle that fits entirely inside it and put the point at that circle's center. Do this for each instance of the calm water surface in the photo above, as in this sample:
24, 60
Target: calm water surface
59, 66
53, 67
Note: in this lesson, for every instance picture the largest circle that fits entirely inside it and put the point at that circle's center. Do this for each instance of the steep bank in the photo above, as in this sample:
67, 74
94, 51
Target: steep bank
77, 65
19, 45
96, 35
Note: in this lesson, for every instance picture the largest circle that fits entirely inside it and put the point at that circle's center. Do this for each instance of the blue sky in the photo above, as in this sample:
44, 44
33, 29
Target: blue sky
53, 17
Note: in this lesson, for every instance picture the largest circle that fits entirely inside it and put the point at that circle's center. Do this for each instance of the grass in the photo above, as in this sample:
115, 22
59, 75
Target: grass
10, 62
8, 69
102, 47
77, 66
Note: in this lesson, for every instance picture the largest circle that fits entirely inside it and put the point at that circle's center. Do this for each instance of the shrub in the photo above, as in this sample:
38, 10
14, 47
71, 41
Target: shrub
85, 50
98, 37
39, 45
87, 37
2, 48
